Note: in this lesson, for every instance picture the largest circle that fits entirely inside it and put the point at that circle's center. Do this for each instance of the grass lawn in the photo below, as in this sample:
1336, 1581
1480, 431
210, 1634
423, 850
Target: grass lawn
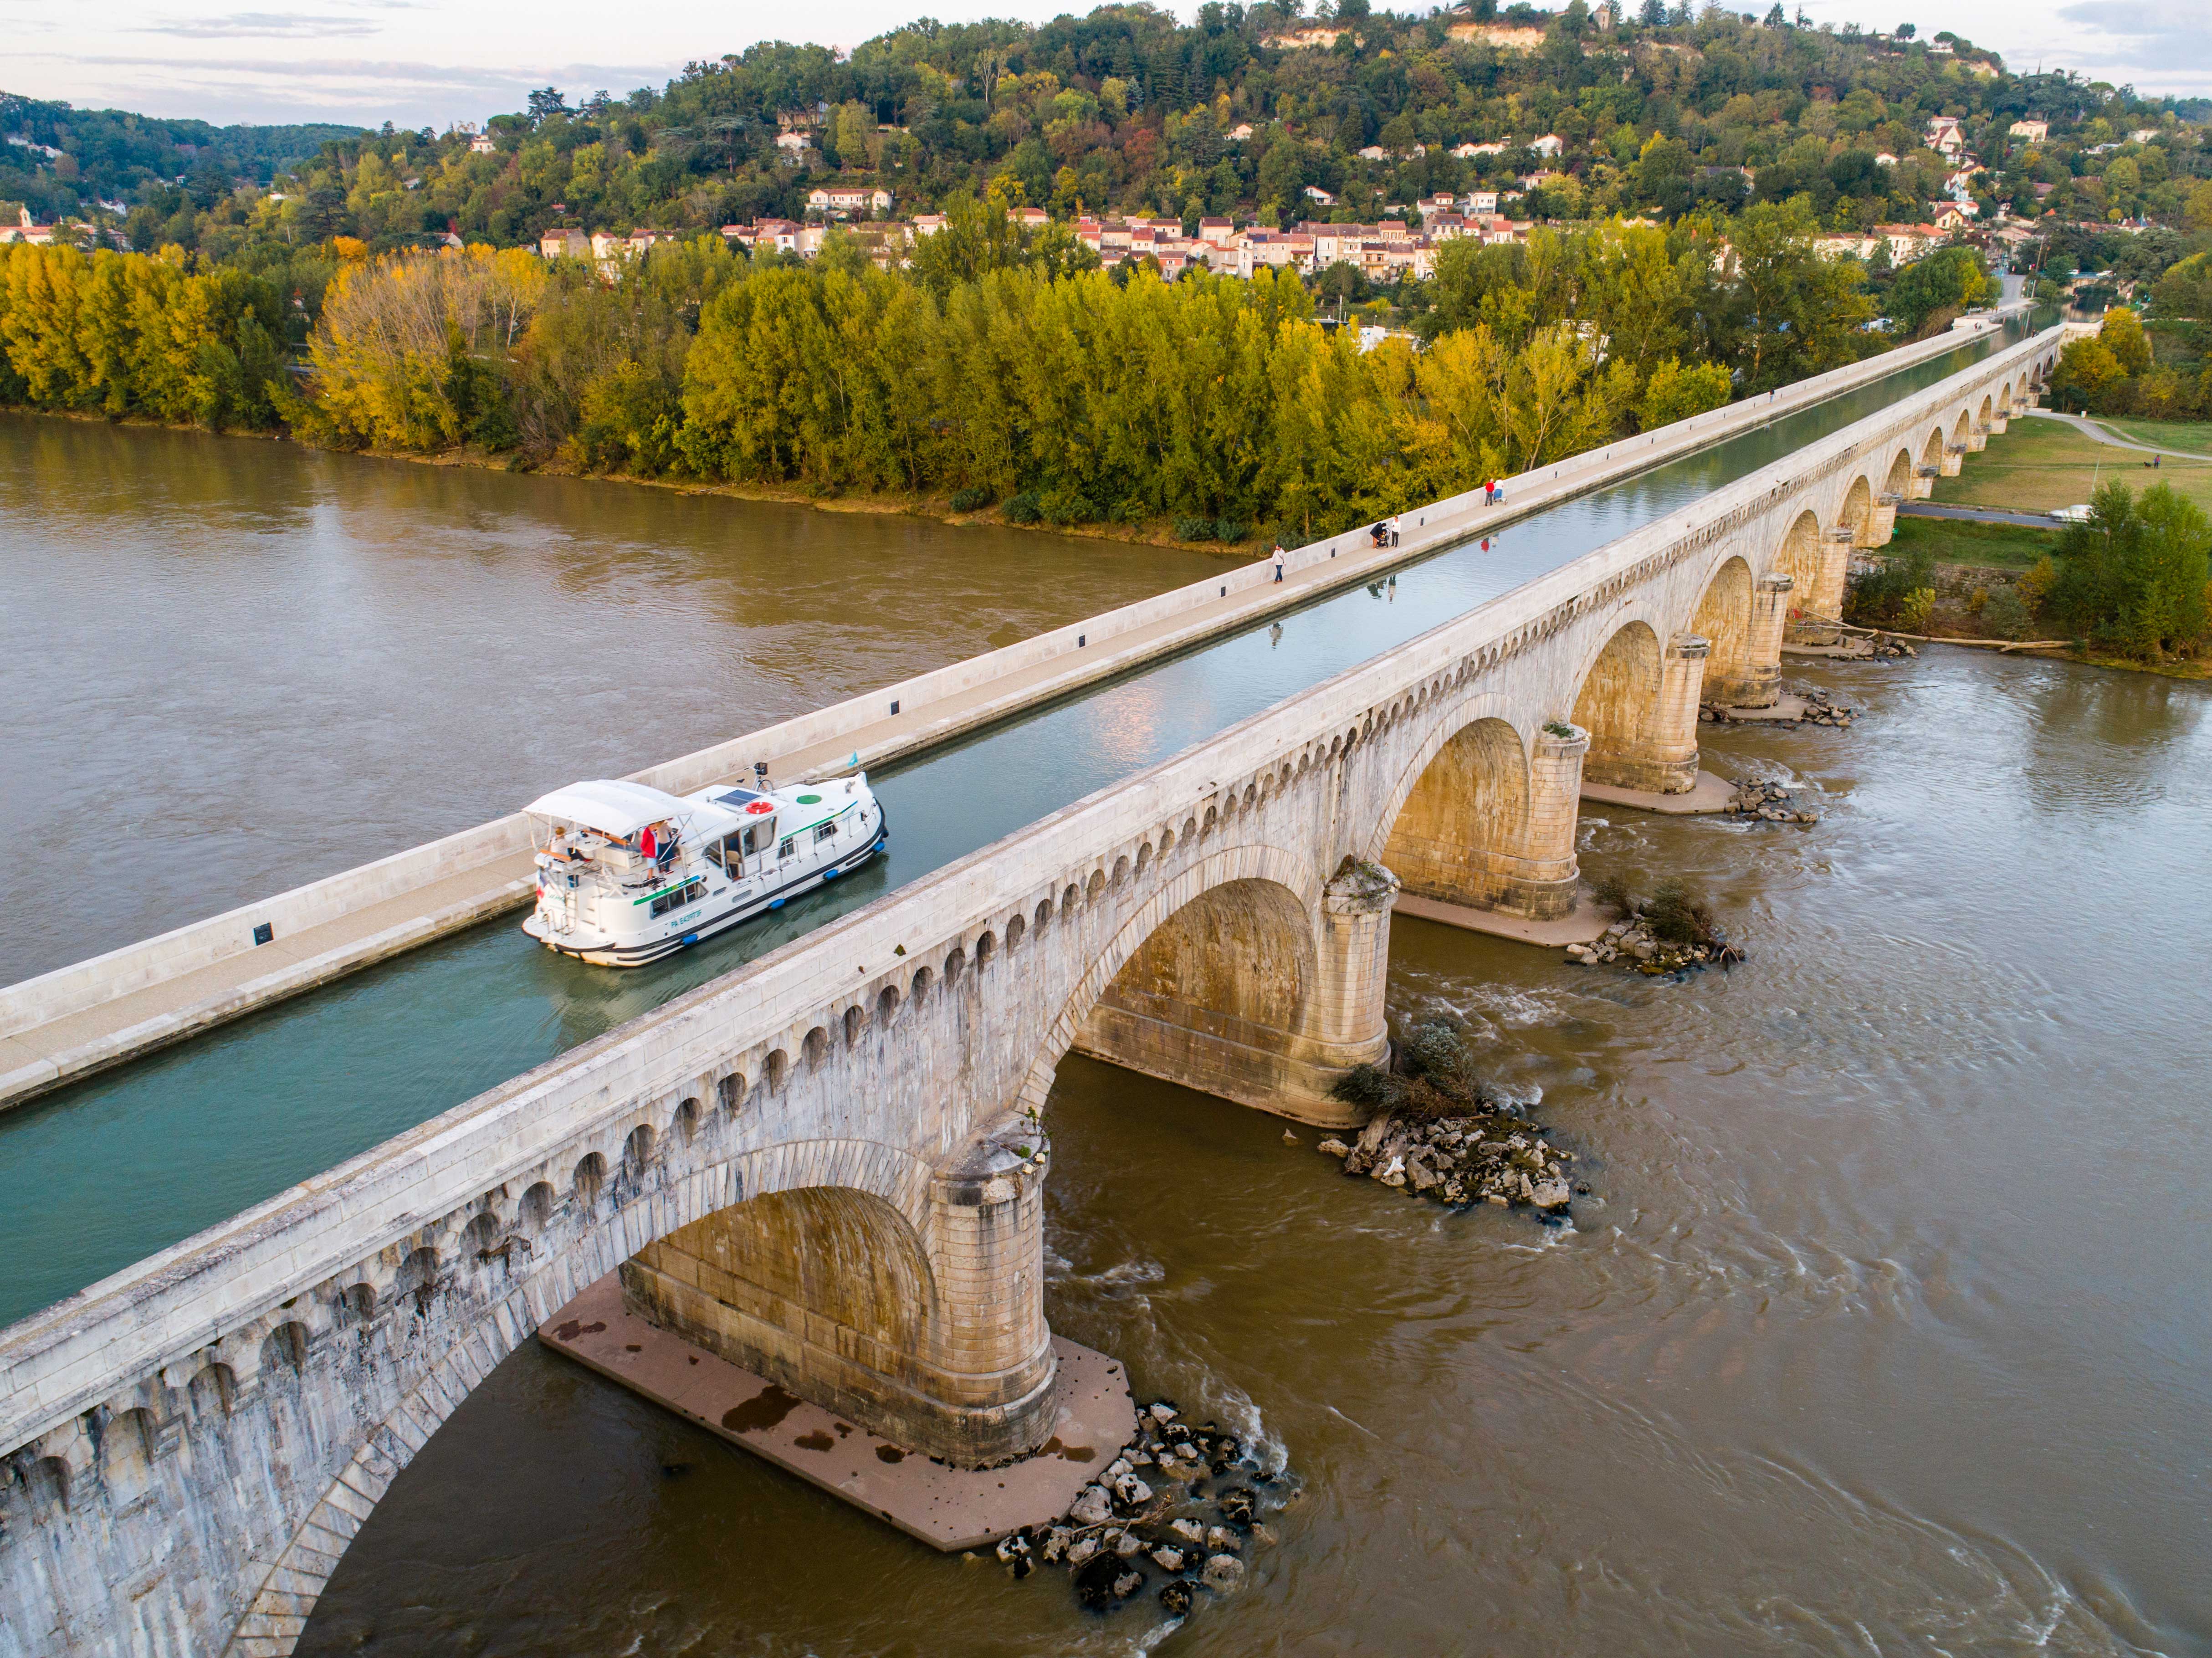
2036, 465
2193, 435
2005, 546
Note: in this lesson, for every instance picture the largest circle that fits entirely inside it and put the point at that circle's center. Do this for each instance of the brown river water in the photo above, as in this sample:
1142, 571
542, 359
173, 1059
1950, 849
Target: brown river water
1885, 1329
222, 652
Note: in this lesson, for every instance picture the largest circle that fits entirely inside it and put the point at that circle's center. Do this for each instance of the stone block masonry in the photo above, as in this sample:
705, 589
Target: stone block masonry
75, 1021
191, 1444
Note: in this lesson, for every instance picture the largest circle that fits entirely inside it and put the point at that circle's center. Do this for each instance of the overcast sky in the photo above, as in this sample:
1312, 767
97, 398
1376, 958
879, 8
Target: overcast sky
433, 62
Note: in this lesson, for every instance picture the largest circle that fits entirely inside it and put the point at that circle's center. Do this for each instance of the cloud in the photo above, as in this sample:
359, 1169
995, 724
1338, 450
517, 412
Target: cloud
234, 87
2160, 40
261, 25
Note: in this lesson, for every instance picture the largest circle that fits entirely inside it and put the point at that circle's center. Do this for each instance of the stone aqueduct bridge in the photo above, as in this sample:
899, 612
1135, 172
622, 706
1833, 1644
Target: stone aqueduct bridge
828, 1165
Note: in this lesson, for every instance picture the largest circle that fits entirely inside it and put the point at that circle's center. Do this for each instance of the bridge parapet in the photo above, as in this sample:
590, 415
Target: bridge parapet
208, 1430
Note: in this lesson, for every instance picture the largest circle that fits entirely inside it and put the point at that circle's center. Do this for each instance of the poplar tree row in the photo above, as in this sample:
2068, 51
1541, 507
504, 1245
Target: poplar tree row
993, 372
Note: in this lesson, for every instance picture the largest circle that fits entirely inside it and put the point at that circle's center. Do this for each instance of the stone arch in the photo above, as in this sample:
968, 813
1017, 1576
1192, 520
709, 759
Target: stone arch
1276, 895
1798, 557
1724, 618
1962, 429
1987, 412
284, 1351
356, 1303
1857, 516
756, 1283
1899, 481
1619, 706
537, 1207
1931, 452
210, 1391
591, 1175
479, 1235
846, 1195
1458, 835
46, 1482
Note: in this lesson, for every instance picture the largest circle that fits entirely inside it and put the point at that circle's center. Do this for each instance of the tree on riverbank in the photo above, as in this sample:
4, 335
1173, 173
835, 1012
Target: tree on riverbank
2119, 371
122, 334
2132, 579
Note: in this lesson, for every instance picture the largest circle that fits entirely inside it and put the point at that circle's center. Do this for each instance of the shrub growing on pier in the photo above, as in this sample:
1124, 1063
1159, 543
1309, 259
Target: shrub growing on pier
1431, 1075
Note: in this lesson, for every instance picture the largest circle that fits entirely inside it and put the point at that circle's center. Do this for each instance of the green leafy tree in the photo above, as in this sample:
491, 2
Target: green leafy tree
2131, 579
1929, 292
2122, 334
1674, 393
1797, 314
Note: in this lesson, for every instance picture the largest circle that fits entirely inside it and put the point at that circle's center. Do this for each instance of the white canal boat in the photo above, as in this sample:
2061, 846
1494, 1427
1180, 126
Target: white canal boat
628, 873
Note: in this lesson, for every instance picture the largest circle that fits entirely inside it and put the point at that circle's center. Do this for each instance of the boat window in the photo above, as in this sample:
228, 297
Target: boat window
679, 896
785, 849
822, 832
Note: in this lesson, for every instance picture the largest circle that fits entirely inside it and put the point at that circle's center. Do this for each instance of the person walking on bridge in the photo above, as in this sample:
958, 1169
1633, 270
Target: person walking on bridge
1279, 561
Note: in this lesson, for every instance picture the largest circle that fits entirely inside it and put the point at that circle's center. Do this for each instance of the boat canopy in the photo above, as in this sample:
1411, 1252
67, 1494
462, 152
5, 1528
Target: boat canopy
621, 810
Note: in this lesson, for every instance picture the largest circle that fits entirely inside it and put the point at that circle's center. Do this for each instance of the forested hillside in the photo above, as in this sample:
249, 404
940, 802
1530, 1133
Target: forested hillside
1125, 109
58, 160
1680, 186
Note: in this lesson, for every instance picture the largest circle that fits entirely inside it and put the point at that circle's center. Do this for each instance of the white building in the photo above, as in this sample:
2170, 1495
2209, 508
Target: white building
844, 201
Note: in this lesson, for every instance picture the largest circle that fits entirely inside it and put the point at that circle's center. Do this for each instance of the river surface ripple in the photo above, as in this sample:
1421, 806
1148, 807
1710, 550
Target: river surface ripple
1885, 1331
95, 1176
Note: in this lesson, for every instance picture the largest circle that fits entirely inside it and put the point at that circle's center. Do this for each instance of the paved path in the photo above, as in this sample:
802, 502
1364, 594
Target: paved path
2088, 428
1977, 514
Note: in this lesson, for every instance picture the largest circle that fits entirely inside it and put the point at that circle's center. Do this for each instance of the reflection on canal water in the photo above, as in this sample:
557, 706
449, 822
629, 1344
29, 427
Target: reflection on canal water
1885, 1330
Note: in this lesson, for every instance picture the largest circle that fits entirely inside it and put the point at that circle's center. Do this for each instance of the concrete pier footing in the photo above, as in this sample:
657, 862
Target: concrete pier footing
1711, 794
1579, 926
1090, 1416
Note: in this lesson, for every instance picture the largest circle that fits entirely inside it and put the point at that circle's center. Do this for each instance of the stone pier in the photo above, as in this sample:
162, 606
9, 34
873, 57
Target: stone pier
936, 1339
1241, 995
824, 1170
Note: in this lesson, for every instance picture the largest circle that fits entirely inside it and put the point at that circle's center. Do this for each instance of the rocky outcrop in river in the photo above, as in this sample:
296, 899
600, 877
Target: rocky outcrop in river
1180, 1506
1490, 1158
1769, 801
1439, 1131
1820, 708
